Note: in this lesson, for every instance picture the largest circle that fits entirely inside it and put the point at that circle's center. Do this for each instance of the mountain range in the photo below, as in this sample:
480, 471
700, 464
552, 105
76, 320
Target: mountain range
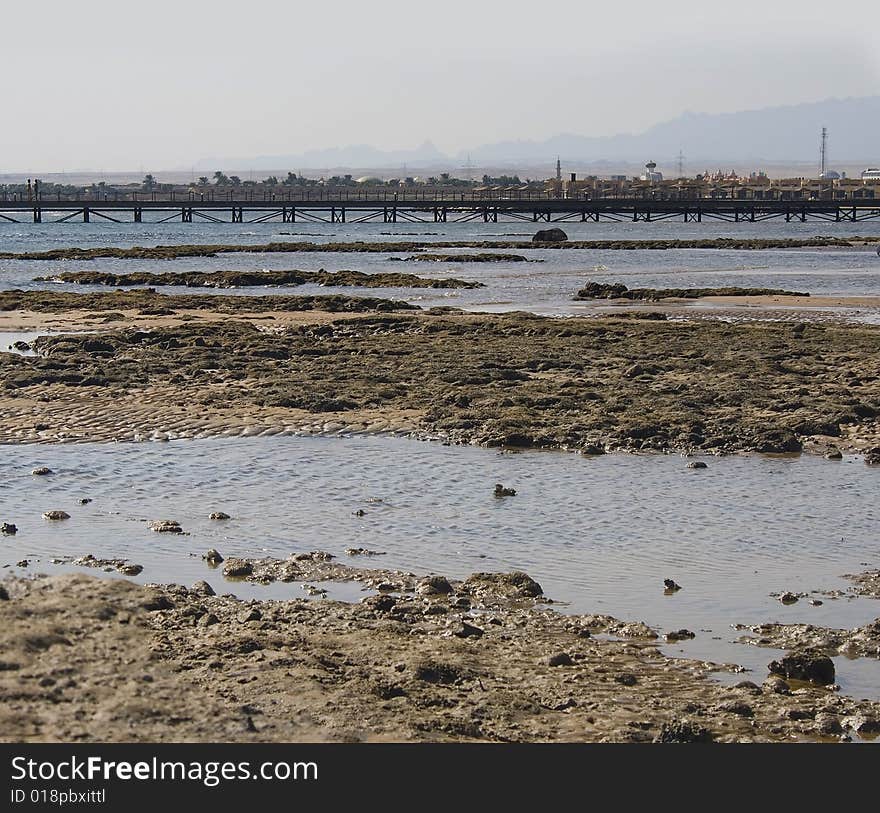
788, 133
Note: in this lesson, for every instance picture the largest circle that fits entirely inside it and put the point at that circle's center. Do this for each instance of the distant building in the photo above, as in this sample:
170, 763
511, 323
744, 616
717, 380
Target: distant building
651, 174
871, 174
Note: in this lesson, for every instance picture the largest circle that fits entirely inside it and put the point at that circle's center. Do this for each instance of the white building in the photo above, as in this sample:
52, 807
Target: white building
650, 173
871, 174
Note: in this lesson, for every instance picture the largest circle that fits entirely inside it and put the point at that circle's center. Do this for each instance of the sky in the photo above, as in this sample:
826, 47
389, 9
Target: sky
111, 85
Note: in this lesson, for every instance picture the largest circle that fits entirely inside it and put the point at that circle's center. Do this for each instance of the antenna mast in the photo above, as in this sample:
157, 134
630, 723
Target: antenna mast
823, 153
680, 164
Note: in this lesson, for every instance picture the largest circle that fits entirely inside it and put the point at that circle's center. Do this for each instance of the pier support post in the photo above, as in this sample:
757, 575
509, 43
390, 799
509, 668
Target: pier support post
38, 214
138, 214
186, 215
237, 214
86, 214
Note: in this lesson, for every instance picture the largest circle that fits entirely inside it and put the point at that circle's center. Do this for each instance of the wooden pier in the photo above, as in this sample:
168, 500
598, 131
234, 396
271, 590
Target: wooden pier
412, 208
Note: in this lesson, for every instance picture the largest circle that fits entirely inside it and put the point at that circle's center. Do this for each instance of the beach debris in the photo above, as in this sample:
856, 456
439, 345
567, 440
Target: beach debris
502, 491
166, 526
219, 515
56, 515
670, 586
213, 557
806, 665
42, 471
8, 529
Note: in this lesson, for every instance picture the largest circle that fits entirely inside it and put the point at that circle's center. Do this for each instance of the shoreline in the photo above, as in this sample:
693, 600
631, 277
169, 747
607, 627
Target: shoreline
479, 660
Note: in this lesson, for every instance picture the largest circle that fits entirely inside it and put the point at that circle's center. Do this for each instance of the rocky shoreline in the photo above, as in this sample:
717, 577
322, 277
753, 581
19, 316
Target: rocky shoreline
87, 660
211, 250
511, 380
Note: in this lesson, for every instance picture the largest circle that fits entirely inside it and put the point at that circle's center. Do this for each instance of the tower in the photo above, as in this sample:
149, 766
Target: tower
823, 153
558, 169
680, 164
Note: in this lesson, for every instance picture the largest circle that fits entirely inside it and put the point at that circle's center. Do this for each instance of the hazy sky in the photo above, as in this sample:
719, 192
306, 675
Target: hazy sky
109, 84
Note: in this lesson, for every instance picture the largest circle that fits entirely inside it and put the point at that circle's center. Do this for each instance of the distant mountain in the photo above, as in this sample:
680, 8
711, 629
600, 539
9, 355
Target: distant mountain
788, 133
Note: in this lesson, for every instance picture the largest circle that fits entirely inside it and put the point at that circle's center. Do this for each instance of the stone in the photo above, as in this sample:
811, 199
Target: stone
219, 515
434, 585
203, 588
8, 529
4, 593
130, 570
834, 454
683, 731
237, 568
776, 685
85, 500
208, 620
670, 586
501, 491
872, 456
554, 235
166, 526
560, 659
56, 516
467, 631
697, 464
42, 471
828, 724
679, 635
249, 614
788, 598
213, 557
812, 667
626, 679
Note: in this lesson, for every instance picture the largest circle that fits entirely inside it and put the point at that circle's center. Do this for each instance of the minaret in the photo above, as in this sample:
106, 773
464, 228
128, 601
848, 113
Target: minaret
558, 169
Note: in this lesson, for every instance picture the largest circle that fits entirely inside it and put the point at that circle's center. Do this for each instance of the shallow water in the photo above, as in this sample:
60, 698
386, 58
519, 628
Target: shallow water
600, 534
545, 287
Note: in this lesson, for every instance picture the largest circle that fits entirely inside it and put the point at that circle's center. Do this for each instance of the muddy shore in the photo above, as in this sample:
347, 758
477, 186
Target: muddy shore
86, 660
217, 365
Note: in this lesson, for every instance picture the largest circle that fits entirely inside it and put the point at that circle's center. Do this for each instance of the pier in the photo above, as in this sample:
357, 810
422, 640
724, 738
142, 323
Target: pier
389, 207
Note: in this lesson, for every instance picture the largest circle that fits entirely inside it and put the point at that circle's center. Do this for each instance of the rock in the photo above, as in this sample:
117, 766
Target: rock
816, 602
788, 598
670, 586
514, 582
202, 588
749, 686
85, 501
635, 371
249, 614
501, 491
550, 236
208, 620
697, 464
362, 552
359, 513
436, 672
237, 568
862, 724
166, 526
738, 707
130, 570
219, 515
467, 631
434, 585
56, 515
679, 635
42, 471
683, 731
213, 557
559, 659
828, 724
626, 679
776, 685
8, 529
813, 667
4, 593
834, 454
872, 456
